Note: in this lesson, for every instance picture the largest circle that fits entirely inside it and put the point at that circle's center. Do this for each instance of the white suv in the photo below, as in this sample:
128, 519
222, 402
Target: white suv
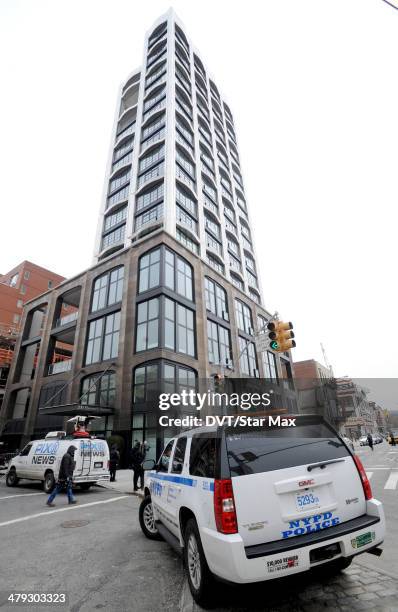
257, 504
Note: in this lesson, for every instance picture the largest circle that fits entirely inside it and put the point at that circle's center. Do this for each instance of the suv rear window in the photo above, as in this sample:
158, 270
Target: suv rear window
253, 450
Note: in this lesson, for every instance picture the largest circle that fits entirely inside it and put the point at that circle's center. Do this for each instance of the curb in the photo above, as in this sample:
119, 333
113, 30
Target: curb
135, 493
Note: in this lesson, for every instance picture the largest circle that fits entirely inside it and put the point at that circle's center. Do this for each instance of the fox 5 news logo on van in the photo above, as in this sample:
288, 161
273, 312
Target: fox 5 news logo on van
45, 453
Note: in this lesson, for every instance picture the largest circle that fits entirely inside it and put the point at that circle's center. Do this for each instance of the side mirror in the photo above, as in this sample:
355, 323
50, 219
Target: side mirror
149, 464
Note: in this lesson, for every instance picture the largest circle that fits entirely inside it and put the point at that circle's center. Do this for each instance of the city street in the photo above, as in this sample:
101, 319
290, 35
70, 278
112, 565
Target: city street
96, 554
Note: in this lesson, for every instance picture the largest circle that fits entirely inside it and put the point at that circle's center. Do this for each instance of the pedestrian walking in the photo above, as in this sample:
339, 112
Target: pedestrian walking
370, 440
114, 459
138, 454
392, 439
65, 476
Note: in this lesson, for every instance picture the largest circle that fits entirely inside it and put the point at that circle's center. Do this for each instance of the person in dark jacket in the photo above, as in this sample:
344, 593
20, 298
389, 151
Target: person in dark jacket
137, 459
114, 458
65, 476
370, 440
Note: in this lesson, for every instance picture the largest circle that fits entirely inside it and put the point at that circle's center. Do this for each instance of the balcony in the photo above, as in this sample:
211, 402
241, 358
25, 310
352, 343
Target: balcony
70, 318
60, 366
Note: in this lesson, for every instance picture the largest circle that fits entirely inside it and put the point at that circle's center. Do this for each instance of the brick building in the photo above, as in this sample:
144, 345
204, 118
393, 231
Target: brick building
18, 286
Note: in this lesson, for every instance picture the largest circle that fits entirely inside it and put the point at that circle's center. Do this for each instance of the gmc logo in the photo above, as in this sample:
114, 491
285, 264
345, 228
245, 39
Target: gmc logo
306, 483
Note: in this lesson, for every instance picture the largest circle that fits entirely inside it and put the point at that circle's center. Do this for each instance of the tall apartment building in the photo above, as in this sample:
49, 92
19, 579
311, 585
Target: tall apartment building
173, 295
174, 163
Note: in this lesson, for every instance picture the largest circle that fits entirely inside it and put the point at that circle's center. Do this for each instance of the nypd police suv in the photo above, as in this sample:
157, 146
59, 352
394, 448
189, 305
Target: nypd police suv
41, 459
260, 503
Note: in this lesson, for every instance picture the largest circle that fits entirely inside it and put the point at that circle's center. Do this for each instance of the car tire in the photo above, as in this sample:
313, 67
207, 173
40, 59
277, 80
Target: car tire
12, 479
49, 482
85, 486
147, 520
200, 578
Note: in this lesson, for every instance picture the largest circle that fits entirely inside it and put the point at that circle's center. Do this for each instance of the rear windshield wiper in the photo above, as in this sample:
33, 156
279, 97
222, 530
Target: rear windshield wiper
323, 464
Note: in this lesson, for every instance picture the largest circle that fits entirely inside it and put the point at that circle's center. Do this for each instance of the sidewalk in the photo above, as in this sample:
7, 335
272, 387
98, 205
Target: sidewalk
123, 483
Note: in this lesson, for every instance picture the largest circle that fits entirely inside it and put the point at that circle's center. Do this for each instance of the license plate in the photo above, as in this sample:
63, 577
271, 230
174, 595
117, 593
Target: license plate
307, 500
362, 540
98, 464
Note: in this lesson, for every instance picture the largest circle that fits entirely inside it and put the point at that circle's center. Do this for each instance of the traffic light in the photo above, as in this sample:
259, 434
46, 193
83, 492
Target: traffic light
280, 335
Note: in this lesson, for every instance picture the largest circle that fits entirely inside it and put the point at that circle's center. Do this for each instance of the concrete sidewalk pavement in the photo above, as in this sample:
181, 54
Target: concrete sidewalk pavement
123, 483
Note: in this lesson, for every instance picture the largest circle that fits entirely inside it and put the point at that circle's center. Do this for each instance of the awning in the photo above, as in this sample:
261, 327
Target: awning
74, 409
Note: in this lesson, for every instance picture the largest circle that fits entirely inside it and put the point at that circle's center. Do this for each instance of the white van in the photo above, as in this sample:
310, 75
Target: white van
258, 504
41, 460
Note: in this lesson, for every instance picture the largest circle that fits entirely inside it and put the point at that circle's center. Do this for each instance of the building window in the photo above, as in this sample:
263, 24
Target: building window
113, 237
147, 336
26, 274
53, 394
254, 296
152, 378
237, 282
103, 338
187, 241
269, 365
19, 303
149, 216
216, 299
149, 271
22, 289
178, 327
177, 274
248, 358
150, 197
13, 280
219, 344
15, 318
115, 218
261, 324
99, 390
146, 383
179, 331
108, 289
244, 317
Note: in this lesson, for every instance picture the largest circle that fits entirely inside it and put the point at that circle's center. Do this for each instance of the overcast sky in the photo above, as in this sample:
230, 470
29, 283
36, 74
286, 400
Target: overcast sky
314, 91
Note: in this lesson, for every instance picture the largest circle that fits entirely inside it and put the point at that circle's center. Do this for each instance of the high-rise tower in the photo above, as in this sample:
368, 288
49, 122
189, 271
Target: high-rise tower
174, 162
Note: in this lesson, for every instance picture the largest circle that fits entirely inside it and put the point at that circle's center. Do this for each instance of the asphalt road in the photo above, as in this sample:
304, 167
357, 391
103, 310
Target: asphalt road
103, 562
106, 564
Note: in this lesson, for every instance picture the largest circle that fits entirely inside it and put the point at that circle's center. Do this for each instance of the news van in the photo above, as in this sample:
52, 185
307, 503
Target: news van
262, 503
41, 459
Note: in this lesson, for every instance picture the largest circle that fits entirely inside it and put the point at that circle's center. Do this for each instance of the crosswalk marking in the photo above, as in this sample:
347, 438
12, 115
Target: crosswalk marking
392, 481
369, 475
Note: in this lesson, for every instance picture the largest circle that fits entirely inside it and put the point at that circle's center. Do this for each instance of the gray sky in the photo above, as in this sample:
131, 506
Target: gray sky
313, 87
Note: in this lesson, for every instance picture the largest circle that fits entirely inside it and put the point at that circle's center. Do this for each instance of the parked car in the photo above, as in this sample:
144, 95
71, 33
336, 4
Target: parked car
363, 441
377, 439
258, 504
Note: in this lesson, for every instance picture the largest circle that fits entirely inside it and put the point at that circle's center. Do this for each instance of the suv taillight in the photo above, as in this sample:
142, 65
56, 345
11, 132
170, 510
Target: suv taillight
224, 507
367, 489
